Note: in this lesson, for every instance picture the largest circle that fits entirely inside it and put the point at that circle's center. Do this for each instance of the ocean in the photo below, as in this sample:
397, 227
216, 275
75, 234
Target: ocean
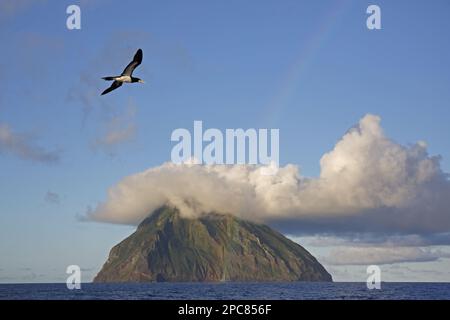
226, 291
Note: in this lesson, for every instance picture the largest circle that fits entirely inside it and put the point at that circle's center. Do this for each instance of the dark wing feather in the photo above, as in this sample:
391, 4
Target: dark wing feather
114, 86
128, 71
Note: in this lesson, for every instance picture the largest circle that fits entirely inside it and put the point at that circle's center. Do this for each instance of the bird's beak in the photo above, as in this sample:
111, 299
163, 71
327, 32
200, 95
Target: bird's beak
141, 81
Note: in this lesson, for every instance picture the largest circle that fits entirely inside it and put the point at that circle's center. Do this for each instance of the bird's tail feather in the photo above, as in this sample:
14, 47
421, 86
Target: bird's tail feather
108, 78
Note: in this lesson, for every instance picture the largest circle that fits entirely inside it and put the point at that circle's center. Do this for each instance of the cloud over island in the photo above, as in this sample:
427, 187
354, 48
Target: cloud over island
367, 182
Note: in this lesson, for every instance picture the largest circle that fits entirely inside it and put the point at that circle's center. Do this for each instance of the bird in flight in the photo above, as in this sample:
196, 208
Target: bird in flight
127, 74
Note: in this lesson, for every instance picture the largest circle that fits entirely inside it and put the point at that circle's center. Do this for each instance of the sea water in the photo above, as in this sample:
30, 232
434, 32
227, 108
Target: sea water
227, 290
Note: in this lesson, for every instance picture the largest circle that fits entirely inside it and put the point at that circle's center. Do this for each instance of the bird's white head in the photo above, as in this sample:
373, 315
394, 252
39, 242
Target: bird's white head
141, 81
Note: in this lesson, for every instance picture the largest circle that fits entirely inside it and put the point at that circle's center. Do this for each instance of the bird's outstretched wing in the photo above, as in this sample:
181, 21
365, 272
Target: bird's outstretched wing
114, 86
128, 71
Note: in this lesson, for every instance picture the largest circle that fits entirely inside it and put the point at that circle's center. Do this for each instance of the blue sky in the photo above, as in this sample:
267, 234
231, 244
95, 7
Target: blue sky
310, 68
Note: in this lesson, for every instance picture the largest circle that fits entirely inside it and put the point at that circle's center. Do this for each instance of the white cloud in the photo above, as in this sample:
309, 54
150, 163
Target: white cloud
366, 182
120, 128
11, 8
116, 134
382, 255
374, 239
23, 146
52, 197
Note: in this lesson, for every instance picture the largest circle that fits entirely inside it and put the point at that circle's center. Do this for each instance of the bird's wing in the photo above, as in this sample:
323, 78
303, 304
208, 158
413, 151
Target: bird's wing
128, 71
114, 86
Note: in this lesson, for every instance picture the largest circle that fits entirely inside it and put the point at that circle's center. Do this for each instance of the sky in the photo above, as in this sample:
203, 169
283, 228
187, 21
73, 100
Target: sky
311, 69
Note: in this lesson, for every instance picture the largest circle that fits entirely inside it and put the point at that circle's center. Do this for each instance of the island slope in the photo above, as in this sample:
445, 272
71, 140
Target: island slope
168, 247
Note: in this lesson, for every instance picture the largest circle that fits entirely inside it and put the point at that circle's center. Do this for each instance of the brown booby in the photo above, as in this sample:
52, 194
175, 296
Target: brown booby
126, 75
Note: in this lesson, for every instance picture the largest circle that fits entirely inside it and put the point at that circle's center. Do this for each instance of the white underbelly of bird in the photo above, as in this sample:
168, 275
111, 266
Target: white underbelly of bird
126, 76
123, 79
